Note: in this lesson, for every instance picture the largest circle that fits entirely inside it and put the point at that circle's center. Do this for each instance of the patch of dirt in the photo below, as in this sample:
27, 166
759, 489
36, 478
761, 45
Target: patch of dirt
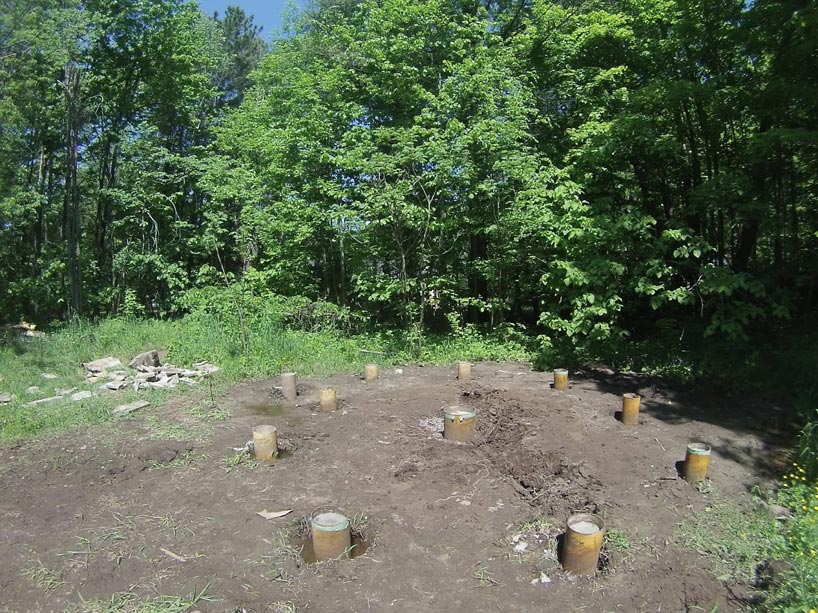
543, 478
450, 526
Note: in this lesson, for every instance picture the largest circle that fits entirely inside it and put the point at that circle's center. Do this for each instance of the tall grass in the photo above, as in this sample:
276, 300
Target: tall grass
206, 334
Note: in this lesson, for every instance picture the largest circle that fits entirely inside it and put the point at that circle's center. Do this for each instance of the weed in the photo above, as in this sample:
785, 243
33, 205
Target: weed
183, 460
160, 429
481, 574
616, 550
735, 540
230, 463
168, 523
358, 524
541, 525
44, 578
797, 589
129, 602
616, 540
808, 448
210, 411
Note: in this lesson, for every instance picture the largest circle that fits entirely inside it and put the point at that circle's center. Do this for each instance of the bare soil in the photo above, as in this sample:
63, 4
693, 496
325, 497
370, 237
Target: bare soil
159, 504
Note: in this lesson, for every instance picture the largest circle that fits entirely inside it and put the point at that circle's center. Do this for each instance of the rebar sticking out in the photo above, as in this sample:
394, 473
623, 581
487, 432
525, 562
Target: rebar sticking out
331, 537
265, 442
288, 385
329, 400
630, 409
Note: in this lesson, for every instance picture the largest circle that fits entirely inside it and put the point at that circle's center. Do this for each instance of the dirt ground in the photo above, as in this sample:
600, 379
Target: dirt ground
160, 503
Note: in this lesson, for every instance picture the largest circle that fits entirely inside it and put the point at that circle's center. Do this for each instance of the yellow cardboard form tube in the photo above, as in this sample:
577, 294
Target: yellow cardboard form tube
459, 423
329, 400
288, 385
331, 537
265, 442
463, 371
697, 460
560, 379
583, 541
630, 409
371, 373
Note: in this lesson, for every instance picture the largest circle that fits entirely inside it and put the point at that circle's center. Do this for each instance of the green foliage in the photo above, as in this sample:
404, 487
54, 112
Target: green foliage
808, 448
797, 589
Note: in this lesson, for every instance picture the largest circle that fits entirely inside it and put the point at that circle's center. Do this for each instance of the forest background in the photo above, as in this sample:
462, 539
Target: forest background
631, 183
626, 182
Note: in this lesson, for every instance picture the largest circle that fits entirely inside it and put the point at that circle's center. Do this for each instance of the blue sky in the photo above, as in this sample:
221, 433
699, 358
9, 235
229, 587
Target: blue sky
267, 13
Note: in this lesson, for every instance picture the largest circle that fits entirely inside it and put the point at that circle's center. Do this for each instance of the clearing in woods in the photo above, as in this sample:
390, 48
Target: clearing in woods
159, 512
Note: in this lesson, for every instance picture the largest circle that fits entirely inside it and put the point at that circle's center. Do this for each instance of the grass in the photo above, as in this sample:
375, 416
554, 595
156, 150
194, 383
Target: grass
208, 410
232, 462
129, 602
735, 540
481, 574
616, 540
797, 588
43, 577
271, 349
186, 459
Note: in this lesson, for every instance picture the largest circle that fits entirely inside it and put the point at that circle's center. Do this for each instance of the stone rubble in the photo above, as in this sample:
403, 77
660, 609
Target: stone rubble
102, 364
148, 372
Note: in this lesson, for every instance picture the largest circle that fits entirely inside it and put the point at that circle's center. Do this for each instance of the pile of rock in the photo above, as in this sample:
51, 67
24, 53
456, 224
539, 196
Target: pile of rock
150, 373
147, 371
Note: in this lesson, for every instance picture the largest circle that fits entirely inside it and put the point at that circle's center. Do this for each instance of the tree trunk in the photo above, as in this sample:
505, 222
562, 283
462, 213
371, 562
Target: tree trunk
71, 209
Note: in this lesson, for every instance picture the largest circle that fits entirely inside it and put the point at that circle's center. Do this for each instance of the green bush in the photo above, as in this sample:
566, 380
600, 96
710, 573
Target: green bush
797, 592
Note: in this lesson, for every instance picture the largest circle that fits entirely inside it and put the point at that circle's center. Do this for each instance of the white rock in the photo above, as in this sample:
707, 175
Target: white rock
33, 390
543, 579
114, 385
48, 376
82, 395
5, 398
149, 358
124, 409
521, 547
102, 364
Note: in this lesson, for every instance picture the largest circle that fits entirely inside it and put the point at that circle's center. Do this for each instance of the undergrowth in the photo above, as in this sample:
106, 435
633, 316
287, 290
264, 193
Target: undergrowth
797, 589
